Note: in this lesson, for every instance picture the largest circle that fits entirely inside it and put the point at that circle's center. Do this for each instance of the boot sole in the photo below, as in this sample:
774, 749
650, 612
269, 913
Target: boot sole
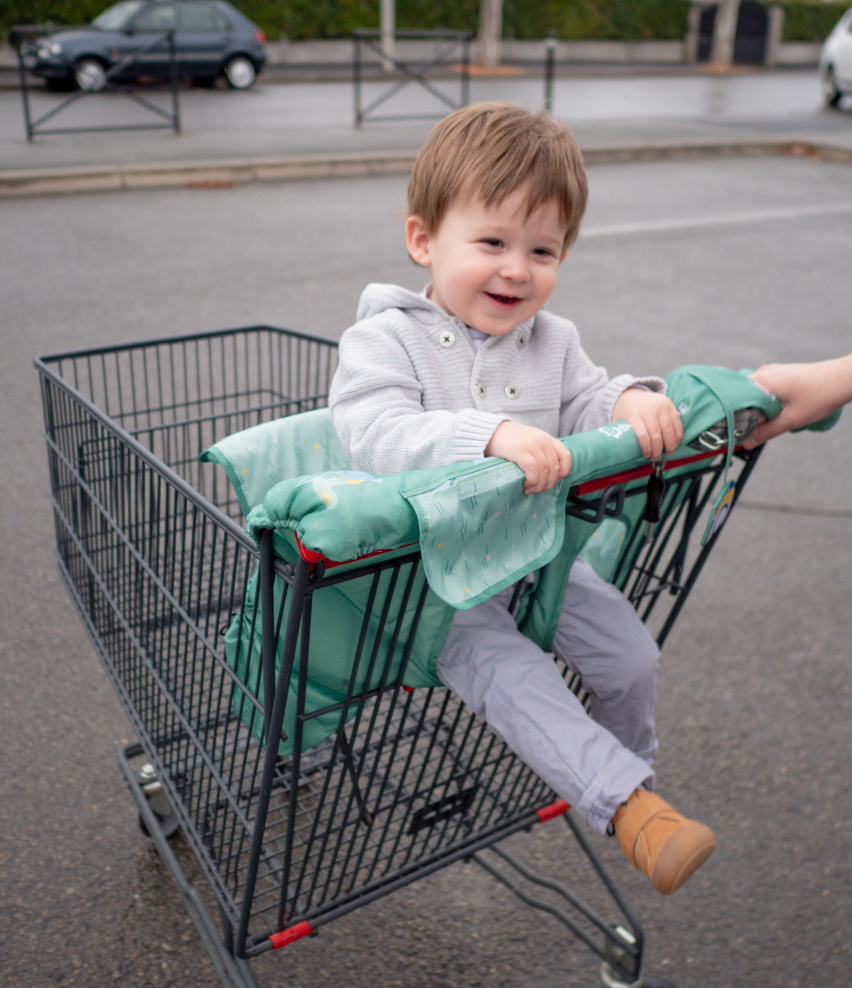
684, 853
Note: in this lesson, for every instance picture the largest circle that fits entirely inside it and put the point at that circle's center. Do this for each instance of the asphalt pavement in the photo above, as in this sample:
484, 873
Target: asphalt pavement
732, 260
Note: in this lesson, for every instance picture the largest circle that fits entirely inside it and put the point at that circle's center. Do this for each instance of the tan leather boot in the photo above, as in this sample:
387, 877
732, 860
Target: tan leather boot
657, 839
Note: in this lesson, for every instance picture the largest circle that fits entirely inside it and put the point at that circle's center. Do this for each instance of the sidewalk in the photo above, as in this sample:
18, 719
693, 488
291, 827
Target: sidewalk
305, 129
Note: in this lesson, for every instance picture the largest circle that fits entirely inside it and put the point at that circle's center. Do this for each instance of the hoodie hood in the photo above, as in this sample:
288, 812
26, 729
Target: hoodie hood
378, 298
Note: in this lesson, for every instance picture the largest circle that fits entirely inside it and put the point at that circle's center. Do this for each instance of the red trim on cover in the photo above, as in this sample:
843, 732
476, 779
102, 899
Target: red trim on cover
312, 556
309, 555
554, 810
623, 478
291, 934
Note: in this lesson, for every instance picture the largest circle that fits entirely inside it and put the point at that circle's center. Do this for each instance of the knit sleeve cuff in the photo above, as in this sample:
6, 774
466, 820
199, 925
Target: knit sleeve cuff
473, 432
620, 384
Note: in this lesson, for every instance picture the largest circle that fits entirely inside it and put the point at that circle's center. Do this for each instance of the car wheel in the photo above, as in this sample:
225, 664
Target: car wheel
830, 93
90, 75
240, 72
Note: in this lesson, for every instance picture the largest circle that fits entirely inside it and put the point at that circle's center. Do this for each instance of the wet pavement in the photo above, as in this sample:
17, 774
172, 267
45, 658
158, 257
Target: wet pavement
275, 121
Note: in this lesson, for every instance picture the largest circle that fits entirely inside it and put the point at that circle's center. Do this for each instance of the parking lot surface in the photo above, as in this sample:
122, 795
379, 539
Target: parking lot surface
735, 262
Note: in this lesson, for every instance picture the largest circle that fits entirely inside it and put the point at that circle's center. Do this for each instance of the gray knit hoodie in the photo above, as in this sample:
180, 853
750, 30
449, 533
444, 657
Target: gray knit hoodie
412, 391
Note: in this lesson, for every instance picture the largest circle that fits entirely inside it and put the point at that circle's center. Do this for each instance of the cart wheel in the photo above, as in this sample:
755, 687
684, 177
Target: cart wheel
158, 802
168, 825
612, 980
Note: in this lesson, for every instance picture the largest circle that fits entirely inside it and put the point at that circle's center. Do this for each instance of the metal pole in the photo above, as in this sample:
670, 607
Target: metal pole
357, 78
465, 94
19, 38
174, 75
548, 71
388, 30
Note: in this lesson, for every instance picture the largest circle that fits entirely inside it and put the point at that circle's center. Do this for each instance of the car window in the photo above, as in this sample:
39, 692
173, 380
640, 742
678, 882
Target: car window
157, 17
115, 17
201, 17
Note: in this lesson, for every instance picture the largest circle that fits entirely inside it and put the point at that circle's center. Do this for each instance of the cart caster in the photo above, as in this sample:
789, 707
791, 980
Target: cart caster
612, 980
626, 962
158, 801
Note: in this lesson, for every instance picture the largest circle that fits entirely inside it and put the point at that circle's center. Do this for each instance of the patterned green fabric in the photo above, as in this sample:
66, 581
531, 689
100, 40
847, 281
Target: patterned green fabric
258, 458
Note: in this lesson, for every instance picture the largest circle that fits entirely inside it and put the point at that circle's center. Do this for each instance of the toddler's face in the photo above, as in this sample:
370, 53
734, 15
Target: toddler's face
493, 267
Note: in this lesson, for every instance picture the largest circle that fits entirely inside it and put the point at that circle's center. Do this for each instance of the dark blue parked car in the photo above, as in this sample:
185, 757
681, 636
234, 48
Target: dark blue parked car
211, 39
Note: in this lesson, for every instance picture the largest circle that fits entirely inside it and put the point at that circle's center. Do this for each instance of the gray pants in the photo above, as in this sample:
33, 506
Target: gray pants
592, 762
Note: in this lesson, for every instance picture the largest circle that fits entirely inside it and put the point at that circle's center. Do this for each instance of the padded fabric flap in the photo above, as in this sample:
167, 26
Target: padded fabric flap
258, 458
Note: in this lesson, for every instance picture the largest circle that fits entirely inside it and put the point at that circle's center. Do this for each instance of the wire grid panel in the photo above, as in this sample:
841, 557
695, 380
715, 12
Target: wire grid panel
155, 572
178, 396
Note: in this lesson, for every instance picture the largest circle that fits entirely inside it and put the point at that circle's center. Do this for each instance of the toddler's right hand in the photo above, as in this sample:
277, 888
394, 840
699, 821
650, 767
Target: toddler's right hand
543, 458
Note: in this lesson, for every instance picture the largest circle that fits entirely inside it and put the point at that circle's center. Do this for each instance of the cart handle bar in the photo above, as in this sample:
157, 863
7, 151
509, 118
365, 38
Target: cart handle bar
313, 557
304, 929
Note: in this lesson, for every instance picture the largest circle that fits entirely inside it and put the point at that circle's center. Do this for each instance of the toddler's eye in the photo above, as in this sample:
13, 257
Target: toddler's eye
492, 242
543, 252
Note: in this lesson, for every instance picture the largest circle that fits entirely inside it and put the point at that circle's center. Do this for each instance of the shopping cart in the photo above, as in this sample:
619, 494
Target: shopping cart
293, 832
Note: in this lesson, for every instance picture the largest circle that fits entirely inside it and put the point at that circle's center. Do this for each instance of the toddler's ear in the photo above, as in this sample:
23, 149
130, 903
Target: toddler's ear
417, 240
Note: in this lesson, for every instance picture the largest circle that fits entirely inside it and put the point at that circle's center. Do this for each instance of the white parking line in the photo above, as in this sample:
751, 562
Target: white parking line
720, 219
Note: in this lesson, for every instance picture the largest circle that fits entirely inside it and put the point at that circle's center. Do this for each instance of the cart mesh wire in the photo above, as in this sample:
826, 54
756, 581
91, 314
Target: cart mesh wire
150, 545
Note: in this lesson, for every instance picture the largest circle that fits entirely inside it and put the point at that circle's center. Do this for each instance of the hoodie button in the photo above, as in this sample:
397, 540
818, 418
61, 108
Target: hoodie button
447, 338
521, 342
511, 391
480, 389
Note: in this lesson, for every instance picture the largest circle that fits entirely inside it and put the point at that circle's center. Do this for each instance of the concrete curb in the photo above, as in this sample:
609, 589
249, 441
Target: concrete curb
107, 178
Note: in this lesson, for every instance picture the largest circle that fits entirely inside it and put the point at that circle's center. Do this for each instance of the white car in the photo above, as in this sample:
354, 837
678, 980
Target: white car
835, 64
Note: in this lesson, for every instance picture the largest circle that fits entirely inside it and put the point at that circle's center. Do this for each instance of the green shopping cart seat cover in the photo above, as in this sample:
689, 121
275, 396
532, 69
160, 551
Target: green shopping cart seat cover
476, 530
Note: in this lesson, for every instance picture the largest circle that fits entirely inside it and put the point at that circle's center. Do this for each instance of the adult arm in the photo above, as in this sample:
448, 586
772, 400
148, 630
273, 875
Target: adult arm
808, 392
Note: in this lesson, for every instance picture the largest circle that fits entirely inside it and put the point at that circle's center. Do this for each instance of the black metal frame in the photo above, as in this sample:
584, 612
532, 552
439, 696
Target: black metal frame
21, 36
157, 565
418, 73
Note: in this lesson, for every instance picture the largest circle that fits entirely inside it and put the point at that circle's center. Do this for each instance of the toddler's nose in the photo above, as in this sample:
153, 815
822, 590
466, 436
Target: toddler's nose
515, 269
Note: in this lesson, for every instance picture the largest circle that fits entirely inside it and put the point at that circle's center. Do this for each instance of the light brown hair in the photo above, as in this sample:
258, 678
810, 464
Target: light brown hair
488, 150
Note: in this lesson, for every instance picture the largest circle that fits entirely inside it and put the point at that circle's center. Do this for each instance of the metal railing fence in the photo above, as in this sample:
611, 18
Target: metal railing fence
23, 38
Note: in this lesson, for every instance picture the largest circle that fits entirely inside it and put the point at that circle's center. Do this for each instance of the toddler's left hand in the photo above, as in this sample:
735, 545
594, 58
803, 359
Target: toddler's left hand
653, 418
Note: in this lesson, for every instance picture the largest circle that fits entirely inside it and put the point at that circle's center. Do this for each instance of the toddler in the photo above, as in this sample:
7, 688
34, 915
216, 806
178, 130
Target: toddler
473, 367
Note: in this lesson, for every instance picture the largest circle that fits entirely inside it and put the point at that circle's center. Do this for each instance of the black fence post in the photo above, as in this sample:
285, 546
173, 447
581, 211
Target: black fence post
19, 40
174, 81
465, 71
548, 70
356, 40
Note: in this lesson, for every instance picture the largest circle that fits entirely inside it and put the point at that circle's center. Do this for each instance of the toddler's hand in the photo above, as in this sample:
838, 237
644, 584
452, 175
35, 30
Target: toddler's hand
543, 459
653, 418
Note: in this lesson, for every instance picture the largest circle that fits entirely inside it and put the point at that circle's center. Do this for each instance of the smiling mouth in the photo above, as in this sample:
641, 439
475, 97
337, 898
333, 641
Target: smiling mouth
503, 299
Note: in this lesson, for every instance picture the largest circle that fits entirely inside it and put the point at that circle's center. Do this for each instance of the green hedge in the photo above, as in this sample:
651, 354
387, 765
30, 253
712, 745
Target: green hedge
811, 21
625, 20
580, 20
